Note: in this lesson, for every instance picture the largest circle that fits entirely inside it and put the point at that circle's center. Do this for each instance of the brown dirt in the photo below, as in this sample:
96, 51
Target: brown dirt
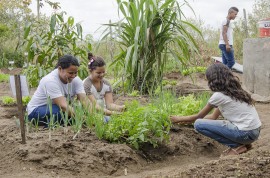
188, 154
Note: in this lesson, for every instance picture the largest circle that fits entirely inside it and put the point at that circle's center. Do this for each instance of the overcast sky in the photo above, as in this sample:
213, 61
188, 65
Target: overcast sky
93, 13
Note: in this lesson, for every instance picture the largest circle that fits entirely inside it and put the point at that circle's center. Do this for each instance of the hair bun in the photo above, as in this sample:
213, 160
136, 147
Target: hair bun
90, 56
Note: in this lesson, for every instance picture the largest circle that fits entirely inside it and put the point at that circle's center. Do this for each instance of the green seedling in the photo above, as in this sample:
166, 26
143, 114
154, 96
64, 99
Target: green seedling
197, 69
134, 93
4, 78
7, 100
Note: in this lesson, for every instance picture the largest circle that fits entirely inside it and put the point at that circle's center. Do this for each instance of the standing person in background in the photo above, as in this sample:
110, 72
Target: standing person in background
241, 124
60, 86
226, 38
98, 89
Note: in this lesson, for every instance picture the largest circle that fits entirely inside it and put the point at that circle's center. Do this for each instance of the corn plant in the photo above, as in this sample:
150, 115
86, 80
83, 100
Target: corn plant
151, 32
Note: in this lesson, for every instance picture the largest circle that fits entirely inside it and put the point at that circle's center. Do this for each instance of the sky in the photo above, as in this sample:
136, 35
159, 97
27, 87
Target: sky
93, 13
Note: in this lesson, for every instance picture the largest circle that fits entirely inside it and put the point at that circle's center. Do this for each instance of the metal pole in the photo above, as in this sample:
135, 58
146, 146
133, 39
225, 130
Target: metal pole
20, 106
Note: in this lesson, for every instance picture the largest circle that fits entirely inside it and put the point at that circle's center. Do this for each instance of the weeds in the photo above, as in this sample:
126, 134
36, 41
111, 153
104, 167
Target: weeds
10, 101
197, 69
4, 78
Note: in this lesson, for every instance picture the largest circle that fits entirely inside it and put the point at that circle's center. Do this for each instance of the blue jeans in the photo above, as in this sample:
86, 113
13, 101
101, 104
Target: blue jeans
225, 132
107, 119
227, 57
42, 115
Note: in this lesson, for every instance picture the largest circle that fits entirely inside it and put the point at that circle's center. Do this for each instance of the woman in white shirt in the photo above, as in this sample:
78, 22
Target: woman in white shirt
58, 87
241, 126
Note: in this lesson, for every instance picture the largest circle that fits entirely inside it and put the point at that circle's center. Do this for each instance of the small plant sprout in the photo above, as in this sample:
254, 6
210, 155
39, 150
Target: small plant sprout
78, 119
4, 78
9, 101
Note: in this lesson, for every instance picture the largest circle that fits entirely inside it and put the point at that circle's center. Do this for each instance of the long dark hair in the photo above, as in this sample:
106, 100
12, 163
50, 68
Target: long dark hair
221, 79
95, 62
66, 61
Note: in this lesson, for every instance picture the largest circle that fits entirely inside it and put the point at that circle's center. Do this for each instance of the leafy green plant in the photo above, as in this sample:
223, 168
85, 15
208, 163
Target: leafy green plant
25, 100
4, 77
134, 93
45, 46
7, 100
196, 69
187, 105
150, 33
150, 123
169, 82
140, 124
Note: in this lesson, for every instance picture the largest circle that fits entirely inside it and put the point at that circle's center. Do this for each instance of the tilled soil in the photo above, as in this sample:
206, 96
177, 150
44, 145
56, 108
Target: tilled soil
188, 154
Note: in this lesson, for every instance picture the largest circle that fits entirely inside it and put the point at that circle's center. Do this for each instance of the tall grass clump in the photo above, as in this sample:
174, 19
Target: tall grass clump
150, 33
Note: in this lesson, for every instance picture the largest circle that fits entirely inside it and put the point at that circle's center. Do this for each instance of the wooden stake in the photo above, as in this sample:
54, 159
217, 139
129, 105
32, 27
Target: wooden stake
20, 106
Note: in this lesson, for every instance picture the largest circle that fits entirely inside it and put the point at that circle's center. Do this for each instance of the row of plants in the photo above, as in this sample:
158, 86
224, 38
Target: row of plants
195, 69
138, 124
10, 101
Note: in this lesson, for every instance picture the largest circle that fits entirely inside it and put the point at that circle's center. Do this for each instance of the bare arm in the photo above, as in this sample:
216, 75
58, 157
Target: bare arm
85, 101
214, 115
225, 37
98, 107
62, 103
110, 105
192, 118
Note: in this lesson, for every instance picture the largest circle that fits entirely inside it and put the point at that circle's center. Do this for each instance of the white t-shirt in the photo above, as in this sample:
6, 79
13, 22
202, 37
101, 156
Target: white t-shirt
226, 22
244, 116
51, 86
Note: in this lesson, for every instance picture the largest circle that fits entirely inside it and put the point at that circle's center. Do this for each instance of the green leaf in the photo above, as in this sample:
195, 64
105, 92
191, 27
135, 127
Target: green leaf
79, 30
53, 23
26, 31
70, 21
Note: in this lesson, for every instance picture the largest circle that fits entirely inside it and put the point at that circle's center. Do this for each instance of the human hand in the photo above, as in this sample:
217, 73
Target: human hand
228, 48
122, 108
180, 120
116, 112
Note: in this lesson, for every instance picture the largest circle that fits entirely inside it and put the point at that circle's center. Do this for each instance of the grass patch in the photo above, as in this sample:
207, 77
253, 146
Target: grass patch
4, 78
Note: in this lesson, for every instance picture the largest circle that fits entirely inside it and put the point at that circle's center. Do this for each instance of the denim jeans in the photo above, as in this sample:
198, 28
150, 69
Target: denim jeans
42, 115
225, 132
107, 119
227, 57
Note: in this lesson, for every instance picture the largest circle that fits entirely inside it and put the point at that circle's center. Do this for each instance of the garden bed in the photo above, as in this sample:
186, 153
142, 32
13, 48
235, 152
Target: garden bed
187, 154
